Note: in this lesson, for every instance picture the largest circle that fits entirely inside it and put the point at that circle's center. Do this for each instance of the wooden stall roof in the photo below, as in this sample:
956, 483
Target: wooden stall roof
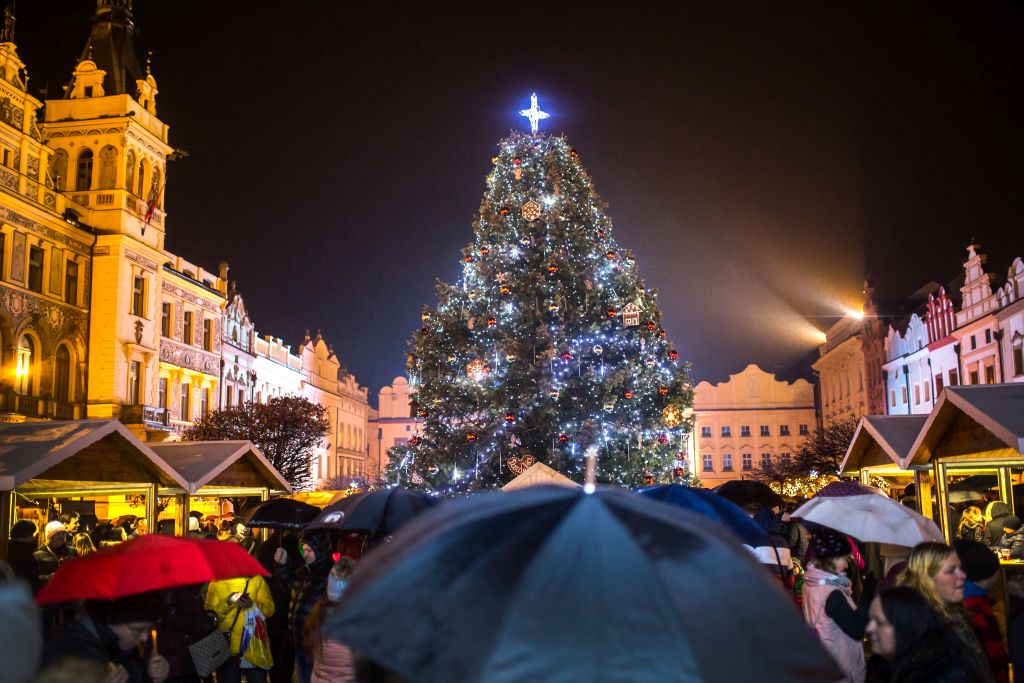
538, 473
77, 455
882, 440
221, 465
977, 422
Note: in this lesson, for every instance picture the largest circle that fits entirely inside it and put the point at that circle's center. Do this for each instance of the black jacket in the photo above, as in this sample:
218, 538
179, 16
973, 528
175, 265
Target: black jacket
183, 620
930, 660
49, 559
994, 529
21, 557
1014, 543
309, 583
88, 638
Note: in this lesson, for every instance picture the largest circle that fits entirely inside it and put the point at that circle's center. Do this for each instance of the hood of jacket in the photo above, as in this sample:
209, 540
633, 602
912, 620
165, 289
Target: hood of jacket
996, 509
320, 545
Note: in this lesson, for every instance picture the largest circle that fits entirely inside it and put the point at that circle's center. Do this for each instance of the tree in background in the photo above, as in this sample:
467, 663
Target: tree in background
548, 345
287, 430
816, 461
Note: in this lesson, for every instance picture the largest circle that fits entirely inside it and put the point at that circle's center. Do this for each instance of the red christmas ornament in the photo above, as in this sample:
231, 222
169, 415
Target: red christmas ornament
574, 154
552, 268
563, 438
414, 441
467, 258
424, 331
517, 161
612, 313
504, 211
650, 326
484, 251
662, 391
611, 256
422, 412
648, 478
470, 436
492, 321
662, 438
628, 393
567, 356
600, 234
510, 417
673, 355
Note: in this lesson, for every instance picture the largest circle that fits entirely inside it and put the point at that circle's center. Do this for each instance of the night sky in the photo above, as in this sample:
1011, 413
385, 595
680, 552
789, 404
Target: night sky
759, 158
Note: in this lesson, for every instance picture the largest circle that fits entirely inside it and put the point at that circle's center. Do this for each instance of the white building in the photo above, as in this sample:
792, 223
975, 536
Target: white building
1011, 322
391, 424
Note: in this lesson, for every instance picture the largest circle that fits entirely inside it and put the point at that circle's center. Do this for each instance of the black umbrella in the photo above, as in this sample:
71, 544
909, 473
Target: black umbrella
553, 584
379, 513
280, 513
745, 492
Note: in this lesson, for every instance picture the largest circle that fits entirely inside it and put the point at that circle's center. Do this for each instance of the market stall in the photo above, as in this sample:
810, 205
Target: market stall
216, 470
99, 462
879, 452
536, 474
972, 430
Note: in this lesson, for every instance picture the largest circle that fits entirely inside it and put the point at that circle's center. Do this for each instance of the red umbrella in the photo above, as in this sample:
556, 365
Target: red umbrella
144, 564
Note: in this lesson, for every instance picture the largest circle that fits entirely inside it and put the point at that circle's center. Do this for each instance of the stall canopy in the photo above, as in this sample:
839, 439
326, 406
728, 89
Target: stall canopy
882, 441
538, 473
79, 457
221, 468
981, 422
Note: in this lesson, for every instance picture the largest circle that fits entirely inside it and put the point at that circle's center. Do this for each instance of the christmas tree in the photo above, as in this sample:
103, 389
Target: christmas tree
549, 345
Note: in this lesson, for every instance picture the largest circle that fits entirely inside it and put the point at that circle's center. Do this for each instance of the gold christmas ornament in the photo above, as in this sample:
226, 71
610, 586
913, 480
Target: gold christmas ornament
672, 416
531, 210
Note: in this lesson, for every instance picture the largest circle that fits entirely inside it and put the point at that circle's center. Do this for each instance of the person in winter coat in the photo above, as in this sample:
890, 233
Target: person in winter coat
229, 599
934, 570
779, 559
55, 552
113, 633
182, 621
1013, 537
982, 570
828, 602
972, 525
277, 625
911, 643
332, 659
995, 513
21, 552
308, 584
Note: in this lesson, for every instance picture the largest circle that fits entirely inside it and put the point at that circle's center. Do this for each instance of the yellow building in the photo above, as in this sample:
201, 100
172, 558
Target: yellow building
154, 339
842, 371
748, 420
45, 268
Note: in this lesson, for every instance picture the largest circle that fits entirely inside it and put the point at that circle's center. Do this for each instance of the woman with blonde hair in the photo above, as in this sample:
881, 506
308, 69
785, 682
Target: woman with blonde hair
972, 525
83, 544
934, 571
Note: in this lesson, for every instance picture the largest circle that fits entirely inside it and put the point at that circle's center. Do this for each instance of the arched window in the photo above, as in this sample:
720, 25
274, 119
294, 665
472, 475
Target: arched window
24, 380
129, 169
83, 173
59, 171
141, 180
62, 375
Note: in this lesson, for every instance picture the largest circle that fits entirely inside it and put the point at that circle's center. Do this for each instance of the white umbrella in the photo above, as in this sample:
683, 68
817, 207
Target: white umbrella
860, 512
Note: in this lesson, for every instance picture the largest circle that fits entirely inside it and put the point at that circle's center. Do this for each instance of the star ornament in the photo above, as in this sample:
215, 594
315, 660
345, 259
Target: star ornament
534, 114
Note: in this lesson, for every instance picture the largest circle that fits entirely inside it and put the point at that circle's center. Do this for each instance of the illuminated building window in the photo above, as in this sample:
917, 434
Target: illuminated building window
974, 377
134, 375
71, 283
766, 459
161, 394
804, 431
165, 319
83, 171
954, 378
35, 269
990, 374
62, 374
726, 430
988, 336
708, 464
24, 381
783, 430
917, 394
705, 432
765, 430
745, 430
208, 334
727, 462
1018, 357
784, 459
139, 296
748, 461
903, 395
927, 392
186, 335
185, 408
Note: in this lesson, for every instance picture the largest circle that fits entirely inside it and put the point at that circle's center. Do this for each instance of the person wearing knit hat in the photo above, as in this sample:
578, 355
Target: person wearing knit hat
982, 569
1013, 538
828, 601
55, 552
113, 633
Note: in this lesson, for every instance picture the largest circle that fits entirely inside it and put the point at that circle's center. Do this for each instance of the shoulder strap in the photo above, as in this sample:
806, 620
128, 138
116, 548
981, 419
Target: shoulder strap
238, 610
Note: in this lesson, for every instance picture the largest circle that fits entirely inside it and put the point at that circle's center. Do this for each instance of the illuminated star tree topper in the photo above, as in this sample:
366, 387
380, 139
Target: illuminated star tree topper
533, 113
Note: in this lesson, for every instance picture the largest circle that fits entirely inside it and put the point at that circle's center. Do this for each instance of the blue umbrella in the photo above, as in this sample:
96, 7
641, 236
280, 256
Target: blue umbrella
553, 584
711, 505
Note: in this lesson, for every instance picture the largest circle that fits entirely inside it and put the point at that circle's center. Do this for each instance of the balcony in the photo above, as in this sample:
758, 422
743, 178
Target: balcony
150, 416
38, 408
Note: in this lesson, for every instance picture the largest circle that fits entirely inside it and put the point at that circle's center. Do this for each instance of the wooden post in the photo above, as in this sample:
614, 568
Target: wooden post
151, 508
865, 476
923, 484
181, 503
6, 521
264, 496
1005, 476
942, 499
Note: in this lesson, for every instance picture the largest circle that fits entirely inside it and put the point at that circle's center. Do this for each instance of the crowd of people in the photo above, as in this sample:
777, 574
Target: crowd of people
930, 617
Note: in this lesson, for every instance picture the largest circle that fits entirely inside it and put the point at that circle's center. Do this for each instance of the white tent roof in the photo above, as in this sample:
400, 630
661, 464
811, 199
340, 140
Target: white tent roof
538, 473
894, 435
998, 409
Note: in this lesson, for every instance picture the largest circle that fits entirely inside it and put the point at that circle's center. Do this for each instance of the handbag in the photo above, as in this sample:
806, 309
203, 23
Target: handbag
209, 652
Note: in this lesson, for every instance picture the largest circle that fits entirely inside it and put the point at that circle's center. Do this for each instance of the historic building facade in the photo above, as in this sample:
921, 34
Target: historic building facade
1010, 317
238, 356
977, 328
842, 371
45, 265
391, 424
748, 420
